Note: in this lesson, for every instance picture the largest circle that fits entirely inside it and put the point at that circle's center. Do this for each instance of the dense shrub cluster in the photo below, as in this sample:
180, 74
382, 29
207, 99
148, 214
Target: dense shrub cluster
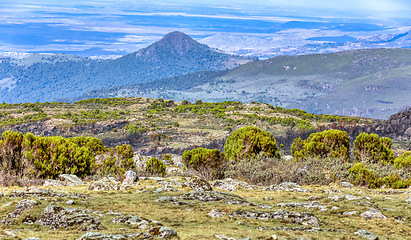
117, 160
327, 144
47, 157
248, 142
403, 161
372, 149
155, 166
202, 157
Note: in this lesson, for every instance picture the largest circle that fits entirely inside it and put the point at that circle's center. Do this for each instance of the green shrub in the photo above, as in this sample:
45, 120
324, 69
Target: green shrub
167, 157
155, 166
364, 177
404, 160
327, 144
248, 142
370, 148
203, 158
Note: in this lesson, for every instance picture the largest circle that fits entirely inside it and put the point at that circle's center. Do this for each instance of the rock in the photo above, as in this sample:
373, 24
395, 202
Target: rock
138, 222
70, 180
346, 185
52, 183
166, 232
224, 237
408, 200
174, 170
303, 218
124, 236
349, 197
58, 217
70, 202
224, 185
21, 206
10, 233
2, 194
366, 234
334, 208
32, 238
392, 192
287, 157
287, 186
105, 184
198, 184
373, 213
129, 178
208, 196
44, 193
313, 198
304, 205
216, 213
347, 213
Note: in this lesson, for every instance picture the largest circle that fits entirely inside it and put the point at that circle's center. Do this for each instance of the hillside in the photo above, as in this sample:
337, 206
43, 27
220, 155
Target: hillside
369, 83
45, 77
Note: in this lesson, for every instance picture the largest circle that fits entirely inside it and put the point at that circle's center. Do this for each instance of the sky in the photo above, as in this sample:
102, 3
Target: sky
123, 26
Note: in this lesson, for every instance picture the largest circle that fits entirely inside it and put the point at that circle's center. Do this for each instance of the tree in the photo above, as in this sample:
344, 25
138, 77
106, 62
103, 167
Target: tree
370, 148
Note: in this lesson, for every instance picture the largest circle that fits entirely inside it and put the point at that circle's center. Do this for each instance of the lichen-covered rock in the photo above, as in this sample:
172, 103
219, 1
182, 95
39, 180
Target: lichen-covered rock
199, 184
373, 213
209, 196
70, 180
52, 183
215, 213
21, 206
366, 234
346, 185
58, 217
105, 184
304, 205
224, 185
135, 221
162, 232
124, 236
287, 186
44, 193
303, 218
129, 178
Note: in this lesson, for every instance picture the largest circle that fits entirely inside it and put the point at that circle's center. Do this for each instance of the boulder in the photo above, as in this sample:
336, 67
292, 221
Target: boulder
373, 213
199, 184
346, 185
129, 178
304, 205
162, 232
216, 213
366, 234
224, 185
56, 217
21, 206
287, 186
303, 218
105, 184
124, 236
70, 180
52, 183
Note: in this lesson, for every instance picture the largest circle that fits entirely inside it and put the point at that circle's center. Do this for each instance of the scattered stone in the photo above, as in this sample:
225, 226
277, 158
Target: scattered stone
303, 218
174, 170
334, 208
331, 191
373, 213
162, 232
314, 198
164, 184
52, 183
139, 222
347, 197
2, 194
129, 178
32, 238
392, 192
268, 198
364, 203
58, 217
209, 196
216, 213
10, 233
346, 185
44, 193
304, 205
224, 237
70, 180
198, 184
105, 184
347, 213
408, 200
21, 206
287, 186
124, 236
224, 185
158, 190
366, 234
70, 202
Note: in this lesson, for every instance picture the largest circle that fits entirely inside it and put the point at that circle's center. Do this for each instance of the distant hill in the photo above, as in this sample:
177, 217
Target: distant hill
370, 83
47, 77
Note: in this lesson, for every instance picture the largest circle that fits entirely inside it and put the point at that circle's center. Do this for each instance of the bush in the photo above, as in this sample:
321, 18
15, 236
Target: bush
404, 160
327, 144
202, 159
365, 177
168, 158
370, 148
155, 166
248, 142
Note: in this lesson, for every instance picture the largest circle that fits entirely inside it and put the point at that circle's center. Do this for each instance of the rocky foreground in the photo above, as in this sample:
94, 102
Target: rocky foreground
193, 208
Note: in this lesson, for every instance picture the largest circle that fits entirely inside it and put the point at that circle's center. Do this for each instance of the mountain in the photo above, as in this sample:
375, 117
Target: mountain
47, 77
371, 83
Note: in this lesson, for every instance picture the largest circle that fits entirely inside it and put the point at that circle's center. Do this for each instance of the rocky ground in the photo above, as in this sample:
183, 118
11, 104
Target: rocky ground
193, 208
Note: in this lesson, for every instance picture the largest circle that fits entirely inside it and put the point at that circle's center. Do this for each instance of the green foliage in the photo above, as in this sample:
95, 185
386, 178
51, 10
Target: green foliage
403, 161
364, 177
370, 148
25, 119
248, 142
155, 166
136, 128
331, 143
117, 160
167, 157
10, 152
199, 158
